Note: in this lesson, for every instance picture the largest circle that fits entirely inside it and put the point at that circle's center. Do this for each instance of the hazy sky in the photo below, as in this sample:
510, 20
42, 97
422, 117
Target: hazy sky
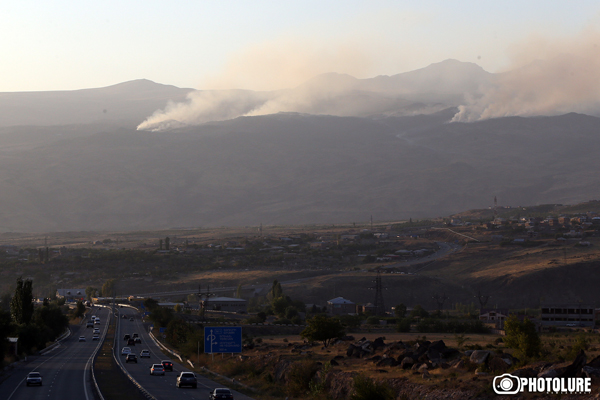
64, 45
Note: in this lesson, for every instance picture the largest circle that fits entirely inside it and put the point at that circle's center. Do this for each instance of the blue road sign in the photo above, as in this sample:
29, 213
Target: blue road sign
222, 340
162, 330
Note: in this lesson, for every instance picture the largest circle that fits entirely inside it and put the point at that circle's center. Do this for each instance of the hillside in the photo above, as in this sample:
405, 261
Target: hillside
292, 169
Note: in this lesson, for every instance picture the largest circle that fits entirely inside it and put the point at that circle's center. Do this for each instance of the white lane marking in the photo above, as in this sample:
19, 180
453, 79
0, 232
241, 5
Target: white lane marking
89, 361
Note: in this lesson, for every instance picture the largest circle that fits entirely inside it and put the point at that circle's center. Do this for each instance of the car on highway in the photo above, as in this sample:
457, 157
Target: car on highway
82, 338
131, 319
144, 353
157, 369
167, 365
97, 322
33, 378
93, 317
96, 337
126, 336
138, 340
125, 351
134, 335
89, 324
130, 342
96, 330
220, 394
187, 379
131, 358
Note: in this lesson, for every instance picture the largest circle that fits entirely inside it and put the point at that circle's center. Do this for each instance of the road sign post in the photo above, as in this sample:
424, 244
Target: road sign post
222, 339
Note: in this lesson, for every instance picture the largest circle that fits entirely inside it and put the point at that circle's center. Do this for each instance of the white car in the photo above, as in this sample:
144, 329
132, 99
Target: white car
125, 351
157, 369
144, 353
96, 331
96, 337
97, 322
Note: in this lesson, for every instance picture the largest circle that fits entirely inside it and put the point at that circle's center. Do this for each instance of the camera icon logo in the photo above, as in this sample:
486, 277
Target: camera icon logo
507, 384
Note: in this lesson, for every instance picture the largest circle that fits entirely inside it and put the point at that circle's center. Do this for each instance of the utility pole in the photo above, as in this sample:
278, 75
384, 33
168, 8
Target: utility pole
203, 300
379, 305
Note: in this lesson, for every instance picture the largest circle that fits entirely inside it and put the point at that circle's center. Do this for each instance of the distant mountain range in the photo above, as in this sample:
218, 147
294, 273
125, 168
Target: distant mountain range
75, 161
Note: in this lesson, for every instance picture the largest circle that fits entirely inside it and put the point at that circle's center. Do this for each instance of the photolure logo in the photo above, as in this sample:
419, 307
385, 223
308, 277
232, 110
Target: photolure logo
510, 384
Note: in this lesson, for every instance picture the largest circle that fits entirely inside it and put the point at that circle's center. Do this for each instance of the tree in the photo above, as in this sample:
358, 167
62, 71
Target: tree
238, 291
400, 310
150, 304
403, 325
276, 290
323, 329
80, 309
108, 289
522, 337
90, 292
21, 306
419, 311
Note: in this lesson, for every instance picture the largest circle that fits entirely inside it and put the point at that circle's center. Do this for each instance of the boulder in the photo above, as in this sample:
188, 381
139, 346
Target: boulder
433, 354
548, 373
377, 343
595, 363
574, 369
479, 356
497, 364
333, 362
387, 362
407, 362
438, 345
525, 373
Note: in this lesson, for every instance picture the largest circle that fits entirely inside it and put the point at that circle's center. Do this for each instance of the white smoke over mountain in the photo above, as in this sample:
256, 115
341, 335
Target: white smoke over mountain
559, 76
547, 77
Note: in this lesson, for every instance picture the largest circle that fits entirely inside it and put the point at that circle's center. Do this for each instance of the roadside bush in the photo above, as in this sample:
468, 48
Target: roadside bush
367, 389
403, 325
373, 320
300, 375
429, 325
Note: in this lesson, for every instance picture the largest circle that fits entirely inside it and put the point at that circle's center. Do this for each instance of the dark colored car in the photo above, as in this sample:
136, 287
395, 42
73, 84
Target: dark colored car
130, 342
167, 365
126, 337
137, 340
34, 378
131, 319
131, 358
220, 394
135, 335
187, 379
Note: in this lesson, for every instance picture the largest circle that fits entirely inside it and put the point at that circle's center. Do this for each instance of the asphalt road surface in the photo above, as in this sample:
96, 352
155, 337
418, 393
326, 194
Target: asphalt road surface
65, 370
161, 387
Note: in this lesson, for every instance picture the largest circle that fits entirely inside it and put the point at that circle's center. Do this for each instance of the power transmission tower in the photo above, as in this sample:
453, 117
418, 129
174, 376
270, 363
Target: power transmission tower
203, 300
440, 299
379, 305
482, 299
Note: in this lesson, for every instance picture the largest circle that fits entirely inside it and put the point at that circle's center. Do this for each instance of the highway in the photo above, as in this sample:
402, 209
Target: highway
65, 369
160, 387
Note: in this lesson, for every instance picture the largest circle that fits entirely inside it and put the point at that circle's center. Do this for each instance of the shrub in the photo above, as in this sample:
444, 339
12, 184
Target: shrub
403, 325
367, 389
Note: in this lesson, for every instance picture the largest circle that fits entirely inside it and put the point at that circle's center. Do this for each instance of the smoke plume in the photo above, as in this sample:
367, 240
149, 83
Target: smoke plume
558, 76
